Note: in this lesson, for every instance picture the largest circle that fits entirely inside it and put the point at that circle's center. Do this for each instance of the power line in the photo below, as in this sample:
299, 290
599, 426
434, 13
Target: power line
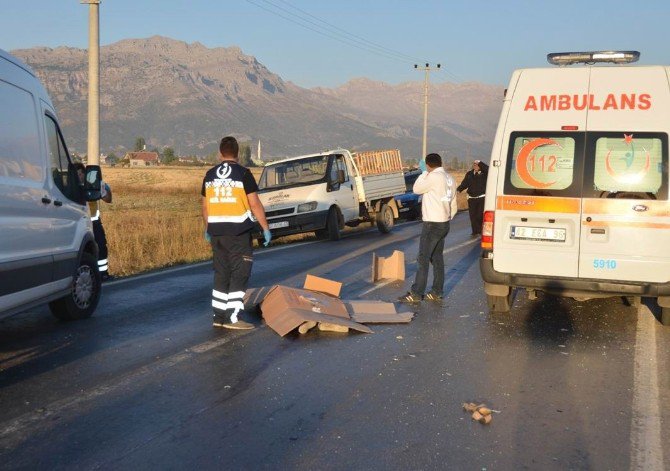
335, 32
318, 31
349, 33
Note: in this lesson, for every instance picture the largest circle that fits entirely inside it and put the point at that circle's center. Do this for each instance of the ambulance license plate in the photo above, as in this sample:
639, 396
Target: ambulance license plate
538, 233
277, 225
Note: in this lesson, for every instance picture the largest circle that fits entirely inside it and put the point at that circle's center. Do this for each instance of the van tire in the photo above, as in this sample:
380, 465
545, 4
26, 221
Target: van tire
85, 294
385, 219
665, 316
333, 225
499, 303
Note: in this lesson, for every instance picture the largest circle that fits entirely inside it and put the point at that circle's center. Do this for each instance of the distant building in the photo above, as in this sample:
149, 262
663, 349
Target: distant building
142, 159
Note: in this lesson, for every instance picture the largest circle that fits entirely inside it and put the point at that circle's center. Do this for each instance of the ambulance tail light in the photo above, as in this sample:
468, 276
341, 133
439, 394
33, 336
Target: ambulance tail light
569, 128
487, 230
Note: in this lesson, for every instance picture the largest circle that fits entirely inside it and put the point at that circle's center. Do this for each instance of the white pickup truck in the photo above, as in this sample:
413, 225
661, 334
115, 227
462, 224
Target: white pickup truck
323, 192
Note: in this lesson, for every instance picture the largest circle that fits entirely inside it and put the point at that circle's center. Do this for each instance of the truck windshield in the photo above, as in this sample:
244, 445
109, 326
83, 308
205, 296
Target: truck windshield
294, 172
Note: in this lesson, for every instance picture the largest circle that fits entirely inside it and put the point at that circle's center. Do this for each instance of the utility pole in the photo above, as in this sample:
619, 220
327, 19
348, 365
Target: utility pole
427, 69
93, 81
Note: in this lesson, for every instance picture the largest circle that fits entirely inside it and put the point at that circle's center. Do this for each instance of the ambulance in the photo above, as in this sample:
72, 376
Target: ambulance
577, 192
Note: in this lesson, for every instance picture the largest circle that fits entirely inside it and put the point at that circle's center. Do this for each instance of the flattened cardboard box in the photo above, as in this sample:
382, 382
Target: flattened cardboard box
376, 312
284, 309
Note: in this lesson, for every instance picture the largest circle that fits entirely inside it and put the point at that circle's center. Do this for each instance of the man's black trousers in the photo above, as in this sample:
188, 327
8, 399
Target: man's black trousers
101, 240
476, 209
233, 258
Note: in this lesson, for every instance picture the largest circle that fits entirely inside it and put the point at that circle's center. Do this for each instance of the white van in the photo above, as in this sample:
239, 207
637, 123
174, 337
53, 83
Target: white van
577, 193
47, 249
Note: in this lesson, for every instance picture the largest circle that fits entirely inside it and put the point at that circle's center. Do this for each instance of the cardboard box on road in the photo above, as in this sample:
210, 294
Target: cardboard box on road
388, 268
285, 309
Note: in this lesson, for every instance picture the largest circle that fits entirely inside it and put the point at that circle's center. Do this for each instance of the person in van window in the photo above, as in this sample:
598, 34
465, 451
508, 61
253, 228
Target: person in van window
438, 206
475, 184
98, 229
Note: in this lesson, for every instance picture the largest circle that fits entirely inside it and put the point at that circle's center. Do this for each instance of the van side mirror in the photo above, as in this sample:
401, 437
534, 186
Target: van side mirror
92, 183
340, 176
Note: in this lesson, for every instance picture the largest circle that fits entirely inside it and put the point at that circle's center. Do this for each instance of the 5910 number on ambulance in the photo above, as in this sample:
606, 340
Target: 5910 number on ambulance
577, 194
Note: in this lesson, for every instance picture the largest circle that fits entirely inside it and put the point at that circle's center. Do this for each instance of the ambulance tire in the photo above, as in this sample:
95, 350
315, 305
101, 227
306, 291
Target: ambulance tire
333, 224
85, 294
665, 316
499, 303
385, 219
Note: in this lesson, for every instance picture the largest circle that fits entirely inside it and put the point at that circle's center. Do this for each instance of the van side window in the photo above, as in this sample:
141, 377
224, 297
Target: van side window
338, 164
20, 155
627, 165
544, 164
62, 170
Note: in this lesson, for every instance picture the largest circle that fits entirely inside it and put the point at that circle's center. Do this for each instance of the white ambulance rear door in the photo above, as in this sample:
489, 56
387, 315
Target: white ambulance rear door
626, 214
538, 201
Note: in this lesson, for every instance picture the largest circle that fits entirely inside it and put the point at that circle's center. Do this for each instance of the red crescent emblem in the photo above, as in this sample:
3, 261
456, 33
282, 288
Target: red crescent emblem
631, 177
522, 162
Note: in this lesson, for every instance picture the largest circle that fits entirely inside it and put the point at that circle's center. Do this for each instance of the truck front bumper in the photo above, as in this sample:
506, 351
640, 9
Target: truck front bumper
297, 224
571, 286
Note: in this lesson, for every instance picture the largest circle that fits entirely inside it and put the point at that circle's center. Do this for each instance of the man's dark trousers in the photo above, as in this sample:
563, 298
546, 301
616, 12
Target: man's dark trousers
233, 258
431, 247
476, 210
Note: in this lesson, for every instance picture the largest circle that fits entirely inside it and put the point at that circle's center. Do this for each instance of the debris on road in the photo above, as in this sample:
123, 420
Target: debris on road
388, 268
480, 413
317, 304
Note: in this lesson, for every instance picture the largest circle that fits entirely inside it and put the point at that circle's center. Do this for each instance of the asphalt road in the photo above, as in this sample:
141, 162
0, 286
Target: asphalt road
147, 383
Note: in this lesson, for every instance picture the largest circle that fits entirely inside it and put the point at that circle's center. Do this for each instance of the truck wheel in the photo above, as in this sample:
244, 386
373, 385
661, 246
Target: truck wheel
499, 303
333, 225
665, 316
385, 219
85, 294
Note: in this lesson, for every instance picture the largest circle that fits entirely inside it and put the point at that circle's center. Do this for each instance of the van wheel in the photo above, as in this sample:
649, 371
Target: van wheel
333, 225
499, 303
385, 219
85, 294
665, 316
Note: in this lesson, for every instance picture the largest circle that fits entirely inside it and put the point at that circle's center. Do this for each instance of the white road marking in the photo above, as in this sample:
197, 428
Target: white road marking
16, 431
645, 431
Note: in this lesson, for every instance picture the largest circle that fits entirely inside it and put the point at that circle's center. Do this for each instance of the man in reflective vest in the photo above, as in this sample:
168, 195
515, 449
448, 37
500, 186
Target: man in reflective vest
230, 197
98, 230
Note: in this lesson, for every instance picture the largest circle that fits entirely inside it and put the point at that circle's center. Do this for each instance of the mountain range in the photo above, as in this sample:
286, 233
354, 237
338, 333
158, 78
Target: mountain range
188, 96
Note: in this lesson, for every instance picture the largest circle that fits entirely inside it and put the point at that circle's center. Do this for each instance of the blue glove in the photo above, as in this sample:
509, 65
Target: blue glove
422, 165
267, 235
208, 237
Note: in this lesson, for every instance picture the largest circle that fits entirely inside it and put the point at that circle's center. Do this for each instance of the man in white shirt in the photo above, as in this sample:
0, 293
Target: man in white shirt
438, 206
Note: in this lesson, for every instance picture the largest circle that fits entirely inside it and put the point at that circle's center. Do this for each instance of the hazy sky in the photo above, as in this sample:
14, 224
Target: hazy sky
473, 40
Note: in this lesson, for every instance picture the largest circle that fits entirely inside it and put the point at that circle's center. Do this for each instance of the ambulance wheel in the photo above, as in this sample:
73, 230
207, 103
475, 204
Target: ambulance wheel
385, 219
665, 316
333, 225
499, 303
85, 294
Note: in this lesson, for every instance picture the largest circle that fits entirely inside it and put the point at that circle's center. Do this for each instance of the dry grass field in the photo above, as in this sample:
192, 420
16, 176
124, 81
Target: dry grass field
154, 220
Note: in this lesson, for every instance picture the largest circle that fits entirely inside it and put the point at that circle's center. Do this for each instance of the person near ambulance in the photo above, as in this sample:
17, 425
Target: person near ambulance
98, 229
475, 184
438, 207
230, 198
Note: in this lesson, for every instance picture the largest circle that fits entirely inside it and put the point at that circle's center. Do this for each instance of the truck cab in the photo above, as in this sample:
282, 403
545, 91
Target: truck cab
323, 192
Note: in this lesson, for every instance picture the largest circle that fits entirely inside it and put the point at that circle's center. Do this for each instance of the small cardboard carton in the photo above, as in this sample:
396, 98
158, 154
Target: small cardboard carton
391, 268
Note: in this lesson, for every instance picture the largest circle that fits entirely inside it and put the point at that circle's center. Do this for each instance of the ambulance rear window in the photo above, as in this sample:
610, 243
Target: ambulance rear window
627, 165
544, 164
